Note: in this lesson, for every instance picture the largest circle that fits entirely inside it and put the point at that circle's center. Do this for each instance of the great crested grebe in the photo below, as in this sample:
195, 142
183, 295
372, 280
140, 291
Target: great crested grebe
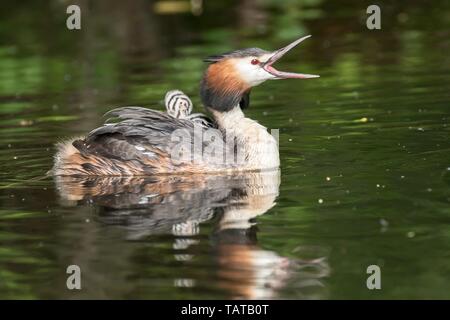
179, 106
146, 142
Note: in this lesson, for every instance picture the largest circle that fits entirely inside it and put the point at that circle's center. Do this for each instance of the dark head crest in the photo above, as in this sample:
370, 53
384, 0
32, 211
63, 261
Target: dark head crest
249, 52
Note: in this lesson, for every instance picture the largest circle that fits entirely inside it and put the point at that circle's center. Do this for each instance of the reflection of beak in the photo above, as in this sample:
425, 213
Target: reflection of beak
267, 66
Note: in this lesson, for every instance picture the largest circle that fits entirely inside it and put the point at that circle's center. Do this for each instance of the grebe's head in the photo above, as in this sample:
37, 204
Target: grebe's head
230, 76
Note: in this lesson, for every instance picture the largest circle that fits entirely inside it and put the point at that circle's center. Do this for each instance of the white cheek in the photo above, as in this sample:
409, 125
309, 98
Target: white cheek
252, 74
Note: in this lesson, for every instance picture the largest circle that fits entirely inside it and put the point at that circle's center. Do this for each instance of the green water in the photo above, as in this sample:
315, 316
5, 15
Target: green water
365, 170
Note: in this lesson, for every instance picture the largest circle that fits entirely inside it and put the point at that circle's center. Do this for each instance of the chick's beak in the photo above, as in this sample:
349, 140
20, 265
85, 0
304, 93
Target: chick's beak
267, 66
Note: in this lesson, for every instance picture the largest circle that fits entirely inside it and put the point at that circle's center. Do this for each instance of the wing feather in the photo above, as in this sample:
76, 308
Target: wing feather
138, 135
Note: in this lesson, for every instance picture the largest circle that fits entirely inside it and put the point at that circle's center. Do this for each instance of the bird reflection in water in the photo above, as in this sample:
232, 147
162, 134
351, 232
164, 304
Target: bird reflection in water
178, 205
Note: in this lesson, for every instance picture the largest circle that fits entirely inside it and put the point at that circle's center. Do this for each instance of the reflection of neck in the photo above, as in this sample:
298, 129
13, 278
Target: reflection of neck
258, 196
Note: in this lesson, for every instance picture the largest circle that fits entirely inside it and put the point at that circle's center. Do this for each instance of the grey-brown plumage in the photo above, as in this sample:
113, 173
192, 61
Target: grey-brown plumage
242, 53
140, 142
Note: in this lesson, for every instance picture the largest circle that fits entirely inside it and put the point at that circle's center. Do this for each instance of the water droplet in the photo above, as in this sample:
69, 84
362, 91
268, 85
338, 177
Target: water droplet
363, 120
384, 223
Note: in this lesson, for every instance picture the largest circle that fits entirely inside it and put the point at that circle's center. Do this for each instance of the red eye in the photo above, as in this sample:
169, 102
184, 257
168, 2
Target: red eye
255, 61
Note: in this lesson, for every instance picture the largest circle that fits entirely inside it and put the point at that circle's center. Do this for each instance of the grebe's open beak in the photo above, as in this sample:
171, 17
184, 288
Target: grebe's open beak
267, 66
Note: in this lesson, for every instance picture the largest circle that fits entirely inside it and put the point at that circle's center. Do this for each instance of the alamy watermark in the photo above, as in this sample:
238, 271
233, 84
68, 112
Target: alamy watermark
73, 22
212, 146
374, 280
374, 20
73, 281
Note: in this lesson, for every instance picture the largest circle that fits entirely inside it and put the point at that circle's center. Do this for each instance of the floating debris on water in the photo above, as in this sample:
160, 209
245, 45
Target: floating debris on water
25, 123
411, 234
384, 225
363, 119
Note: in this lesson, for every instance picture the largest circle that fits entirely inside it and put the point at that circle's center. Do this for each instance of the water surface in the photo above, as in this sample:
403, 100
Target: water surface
365, 170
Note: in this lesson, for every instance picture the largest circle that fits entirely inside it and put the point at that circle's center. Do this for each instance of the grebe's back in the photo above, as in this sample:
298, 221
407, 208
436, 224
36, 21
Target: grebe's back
141, 143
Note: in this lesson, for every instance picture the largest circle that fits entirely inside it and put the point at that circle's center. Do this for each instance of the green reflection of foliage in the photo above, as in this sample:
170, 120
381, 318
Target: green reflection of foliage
289, 23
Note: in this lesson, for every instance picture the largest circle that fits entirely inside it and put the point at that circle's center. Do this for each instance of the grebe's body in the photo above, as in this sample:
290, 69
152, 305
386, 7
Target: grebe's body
141, 144
147, 142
